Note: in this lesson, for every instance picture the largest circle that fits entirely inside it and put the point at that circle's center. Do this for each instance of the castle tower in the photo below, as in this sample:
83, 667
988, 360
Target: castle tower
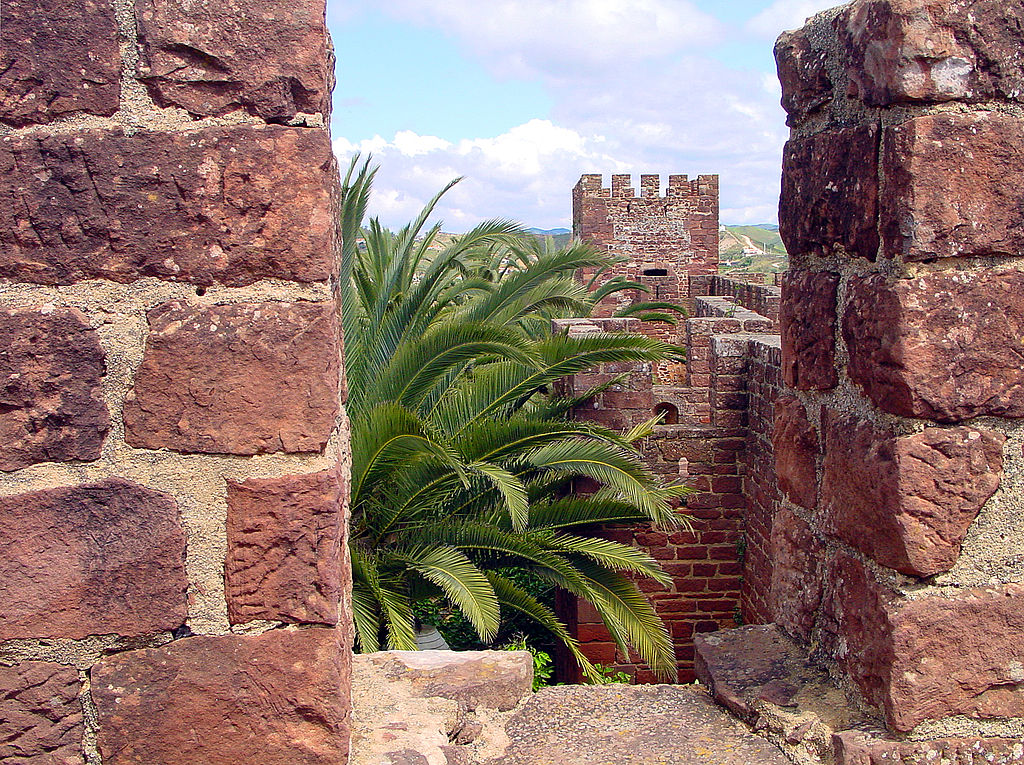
664, 238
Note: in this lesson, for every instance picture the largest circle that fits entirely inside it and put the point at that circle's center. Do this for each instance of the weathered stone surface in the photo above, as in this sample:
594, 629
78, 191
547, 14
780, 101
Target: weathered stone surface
924, 159
899, 653
229, 205
768, 681
284, 548
829, 200
854, 747
268, 57
796, 584
932, 50
737, 665
907, 502
95, 559
58, 58
795, 444
393, 721
237, 379
491, 679
944, 346
279, 698
803, 72
807, 318
638, 724
51, 392
41, 720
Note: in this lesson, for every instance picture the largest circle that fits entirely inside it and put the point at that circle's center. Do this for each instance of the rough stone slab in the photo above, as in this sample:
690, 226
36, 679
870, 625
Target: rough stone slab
58, 58
945, 346
94, 559
51, 391
796, 448
268, 57
860, 748
41, 720
907, 502
393, 722
229, 205
284, 548
898, 650
743, 665
807, 319
932, 51
803, 72
491, 679
924, 159
829, 202
237, 379
634, 725
284, 692
796, 585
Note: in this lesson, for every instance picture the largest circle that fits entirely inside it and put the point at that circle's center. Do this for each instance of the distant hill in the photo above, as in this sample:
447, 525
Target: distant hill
752, 248
559, 237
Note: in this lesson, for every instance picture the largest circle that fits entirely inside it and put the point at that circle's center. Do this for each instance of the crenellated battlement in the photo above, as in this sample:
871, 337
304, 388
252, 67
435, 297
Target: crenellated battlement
664, 236
592, 185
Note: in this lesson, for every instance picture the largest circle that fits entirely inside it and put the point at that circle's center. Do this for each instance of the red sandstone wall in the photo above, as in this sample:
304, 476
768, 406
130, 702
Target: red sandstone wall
898, 441
173, 444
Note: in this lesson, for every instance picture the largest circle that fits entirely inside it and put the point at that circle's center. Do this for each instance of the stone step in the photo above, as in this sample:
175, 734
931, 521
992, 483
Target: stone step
630, 725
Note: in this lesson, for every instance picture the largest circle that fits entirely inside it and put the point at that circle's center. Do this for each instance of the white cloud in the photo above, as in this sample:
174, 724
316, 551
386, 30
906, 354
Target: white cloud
526, 173
786, 14
551, 36
652, 104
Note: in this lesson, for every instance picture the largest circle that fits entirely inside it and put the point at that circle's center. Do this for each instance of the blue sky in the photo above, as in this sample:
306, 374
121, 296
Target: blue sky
523, 96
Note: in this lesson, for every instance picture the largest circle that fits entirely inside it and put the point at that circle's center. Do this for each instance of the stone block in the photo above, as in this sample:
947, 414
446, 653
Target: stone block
478, 679
907, 502
284, 548
932, 51
237, 379
934, 656
855, 747
796, 449
51, 389
95, 559
803, 72
796, 584
268, 57
41, 717
58, 58
807, 318
937, 205
227, 205
945, 346
829, 202
280, 698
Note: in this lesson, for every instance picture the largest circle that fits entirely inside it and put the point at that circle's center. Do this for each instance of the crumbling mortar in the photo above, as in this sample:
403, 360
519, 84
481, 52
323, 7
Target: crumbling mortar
91, 717
80, 654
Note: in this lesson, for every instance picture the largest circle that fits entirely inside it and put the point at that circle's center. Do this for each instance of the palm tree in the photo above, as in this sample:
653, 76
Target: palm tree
463, 458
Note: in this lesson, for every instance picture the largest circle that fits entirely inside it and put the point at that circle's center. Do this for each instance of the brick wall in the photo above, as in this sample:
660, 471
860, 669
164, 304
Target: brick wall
764, 379
898, 439
173, 443
705, 560
762, 299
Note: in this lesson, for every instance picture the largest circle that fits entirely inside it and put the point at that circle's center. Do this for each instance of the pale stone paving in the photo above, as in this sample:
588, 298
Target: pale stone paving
428, 708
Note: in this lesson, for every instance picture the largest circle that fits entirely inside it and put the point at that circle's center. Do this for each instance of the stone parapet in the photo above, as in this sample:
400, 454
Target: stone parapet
173, 439
898, 440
